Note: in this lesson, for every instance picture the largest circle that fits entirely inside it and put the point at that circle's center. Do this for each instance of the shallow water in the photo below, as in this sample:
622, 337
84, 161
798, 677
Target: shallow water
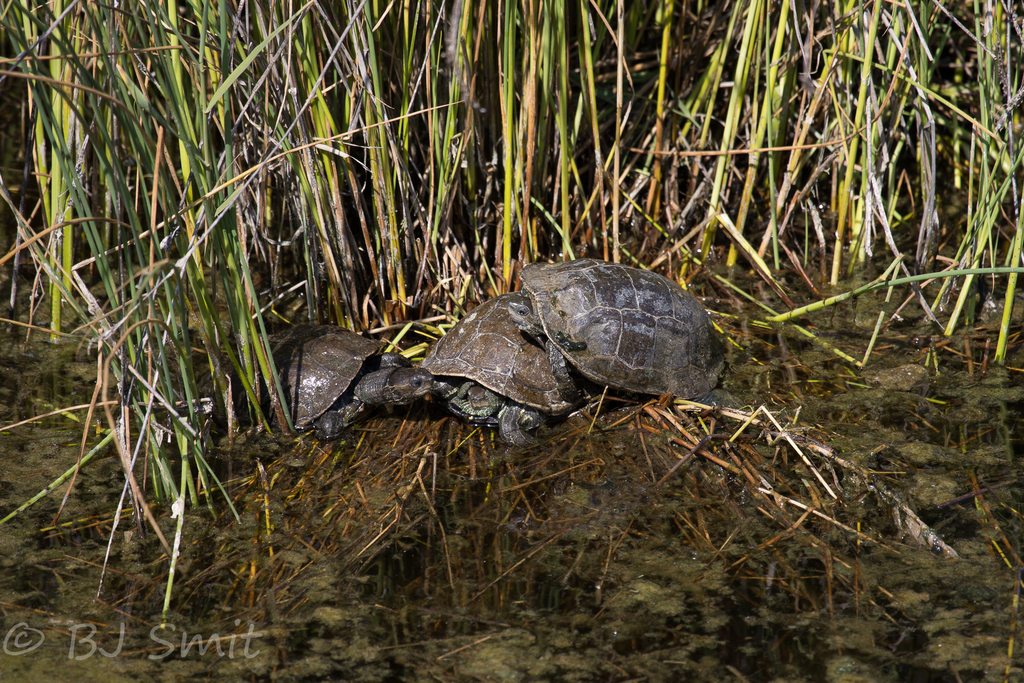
419, 548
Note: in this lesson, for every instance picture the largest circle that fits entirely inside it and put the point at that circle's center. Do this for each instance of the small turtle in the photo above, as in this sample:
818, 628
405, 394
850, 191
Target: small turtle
328, 373
488, 372
623, 327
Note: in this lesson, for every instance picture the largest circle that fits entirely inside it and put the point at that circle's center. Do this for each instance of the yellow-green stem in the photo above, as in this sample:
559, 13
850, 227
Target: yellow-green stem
846, 189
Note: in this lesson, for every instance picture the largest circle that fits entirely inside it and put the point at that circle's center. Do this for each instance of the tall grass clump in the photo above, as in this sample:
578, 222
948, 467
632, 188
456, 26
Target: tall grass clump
200, 173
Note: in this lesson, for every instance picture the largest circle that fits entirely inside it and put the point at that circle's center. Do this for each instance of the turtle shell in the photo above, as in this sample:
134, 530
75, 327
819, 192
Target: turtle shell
317, 364
627, 328
488, 348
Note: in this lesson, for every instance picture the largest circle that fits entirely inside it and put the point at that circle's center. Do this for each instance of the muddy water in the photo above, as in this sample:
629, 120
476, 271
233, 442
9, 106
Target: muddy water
421, 549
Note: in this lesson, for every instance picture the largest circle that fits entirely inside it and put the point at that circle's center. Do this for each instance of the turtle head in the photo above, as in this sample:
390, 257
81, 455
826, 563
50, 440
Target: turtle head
520, 309
483, 400
409, 384
394, 386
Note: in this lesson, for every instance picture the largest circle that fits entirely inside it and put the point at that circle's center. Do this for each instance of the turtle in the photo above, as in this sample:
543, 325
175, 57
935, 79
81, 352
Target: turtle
622, 327
488, 372
328, 373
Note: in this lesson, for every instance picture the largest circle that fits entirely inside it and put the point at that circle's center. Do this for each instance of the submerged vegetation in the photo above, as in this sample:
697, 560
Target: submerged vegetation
188, 177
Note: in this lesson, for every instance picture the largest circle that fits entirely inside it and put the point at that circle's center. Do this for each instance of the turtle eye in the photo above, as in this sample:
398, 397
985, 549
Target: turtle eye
417, 382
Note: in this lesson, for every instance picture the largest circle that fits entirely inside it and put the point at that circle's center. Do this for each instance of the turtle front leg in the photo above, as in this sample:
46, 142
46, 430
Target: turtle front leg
567, 387
475, 401
335, 421
515, 422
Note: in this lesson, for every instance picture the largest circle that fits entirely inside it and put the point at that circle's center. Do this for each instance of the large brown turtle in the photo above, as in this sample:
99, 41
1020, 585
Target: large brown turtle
622, 327
488, 372
328, 373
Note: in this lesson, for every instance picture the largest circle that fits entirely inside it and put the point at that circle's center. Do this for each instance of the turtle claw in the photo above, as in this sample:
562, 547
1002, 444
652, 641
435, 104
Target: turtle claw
569, 344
